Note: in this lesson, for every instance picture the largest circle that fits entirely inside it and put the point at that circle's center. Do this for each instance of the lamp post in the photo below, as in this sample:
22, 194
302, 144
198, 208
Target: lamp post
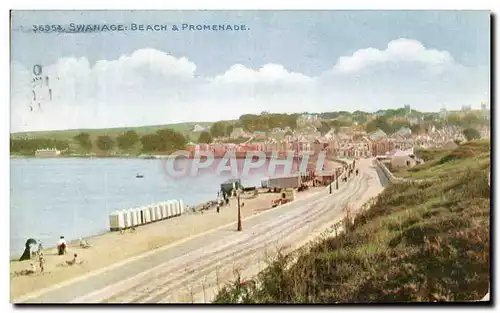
238, 191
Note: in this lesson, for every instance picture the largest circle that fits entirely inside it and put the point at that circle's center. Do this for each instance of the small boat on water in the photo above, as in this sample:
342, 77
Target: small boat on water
139, 176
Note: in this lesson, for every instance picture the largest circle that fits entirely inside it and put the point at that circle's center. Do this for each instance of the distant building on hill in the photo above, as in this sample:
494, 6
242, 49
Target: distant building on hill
47, 152
238, 132
407, 110
199, 128
305, 120
485, 111
466, 108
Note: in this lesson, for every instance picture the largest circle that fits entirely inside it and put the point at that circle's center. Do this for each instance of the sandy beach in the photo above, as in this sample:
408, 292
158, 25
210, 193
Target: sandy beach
113, 247
193, 269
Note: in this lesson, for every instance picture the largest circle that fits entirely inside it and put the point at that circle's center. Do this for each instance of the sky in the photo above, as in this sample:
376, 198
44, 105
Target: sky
283, 61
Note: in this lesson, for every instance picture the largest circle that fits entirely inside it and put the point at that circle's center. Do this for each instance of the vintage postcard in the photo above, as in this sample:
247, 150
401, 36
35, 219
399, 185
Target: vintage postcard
250, 156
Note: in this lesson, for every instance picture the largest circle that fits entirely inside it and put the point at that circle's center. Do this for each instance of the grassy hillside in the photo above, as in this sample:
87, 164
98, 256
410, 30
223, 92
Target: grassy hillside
74, 147
184, 128
440, 163
417, 242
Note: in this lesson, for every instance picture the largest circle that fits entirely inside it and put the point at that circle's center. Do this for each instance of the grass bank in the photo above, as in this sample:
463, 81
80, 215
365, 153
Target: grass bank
417, 242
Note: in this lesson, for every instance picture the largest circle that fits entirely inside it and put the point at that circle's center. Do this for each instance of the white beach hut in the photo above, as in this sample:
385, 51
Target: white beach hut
170, 208
134, 216
147, 214
127, 218
181, 204
151, 208
137, 213
167, 209
141, 216
157, 208
164, 212
116, 221
176, 207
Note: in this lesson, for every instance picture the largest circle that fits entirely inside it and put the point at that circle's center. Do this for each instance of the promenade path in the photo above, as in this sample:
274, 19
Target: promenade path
192, 270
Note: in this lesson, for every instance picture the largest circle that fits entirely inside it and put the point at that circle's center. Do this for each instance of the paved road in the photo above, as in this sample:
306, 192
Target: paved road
192, 270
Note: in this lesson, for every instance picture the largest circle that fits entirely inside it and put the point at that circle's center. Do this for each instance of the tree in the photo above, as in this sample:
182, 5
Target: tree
429, 117
105, 143
398, 124
454, 119
416, 128
170, 140
127, 140
359, 117
205, 138
325, 127
221, 129
381, 123
471, 134
470, 120
83, 140
150, 142
29, 146
164, 140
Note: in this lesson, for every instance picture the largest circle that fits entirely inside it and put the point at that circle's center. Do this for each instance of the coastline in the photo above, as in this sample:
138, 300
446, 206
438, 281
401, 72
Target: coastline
109, 247
124, 156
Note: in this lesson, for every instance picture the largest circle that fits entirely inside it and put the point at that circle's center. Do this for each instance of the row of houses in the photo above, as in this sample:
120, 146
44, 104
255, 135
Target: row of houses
345, 143
340, 145
239, 132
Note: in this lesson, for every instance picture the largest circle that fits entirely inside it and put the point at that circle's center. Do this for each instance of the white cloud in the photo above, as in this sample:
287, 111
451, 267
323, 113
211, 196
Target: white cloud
151, 87
400, 50
273, 74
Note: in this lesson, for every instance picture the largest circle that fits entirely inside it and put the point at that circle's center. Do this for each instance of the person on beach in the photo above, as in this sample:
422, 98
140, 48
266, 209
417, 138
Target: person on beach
32, 270
73, 261
62, 246
84, 244
29, 271
41, 261
40, 248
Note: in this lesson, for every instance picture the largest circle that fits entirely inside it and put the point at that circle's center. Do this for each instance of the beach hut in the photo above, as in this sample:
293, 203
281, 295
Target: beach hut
141, 216
147, 214
127, 218
181, 204
134, 216
170, 208
152, 212
158, 211
177, 208
164, 212
179, 212
137, 213
116, 221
